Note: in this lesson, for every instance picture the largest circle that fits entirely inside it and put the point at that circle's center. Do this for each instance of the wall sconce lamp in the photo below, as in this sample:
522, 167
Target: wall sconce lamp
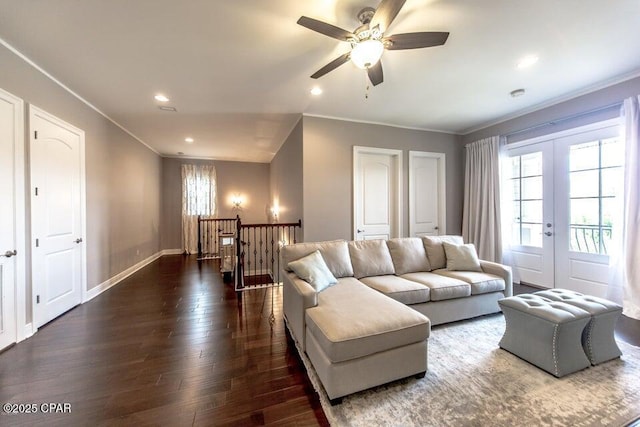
236, 201
275, 211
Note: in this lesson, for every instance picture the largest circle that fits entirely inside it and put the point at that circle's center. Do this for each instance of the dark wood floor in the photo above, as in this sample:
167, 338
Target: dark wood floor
171, 345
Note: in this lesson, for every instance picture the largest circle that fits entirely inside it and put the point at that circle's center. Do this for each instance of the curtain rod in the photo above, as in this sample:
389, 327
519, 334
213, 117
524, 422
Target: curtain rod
564, 119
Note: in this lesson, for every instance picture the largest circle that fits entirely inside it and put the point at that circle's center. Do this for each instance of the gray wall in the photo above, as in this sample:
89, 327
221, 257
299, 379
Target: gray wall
122, 175
286, 177
576, 106
328, 163
250, 180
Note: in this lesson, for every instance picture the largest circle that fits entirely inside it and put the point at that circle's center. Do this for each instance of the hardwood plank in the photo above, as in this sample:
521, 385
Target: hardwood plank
171, 345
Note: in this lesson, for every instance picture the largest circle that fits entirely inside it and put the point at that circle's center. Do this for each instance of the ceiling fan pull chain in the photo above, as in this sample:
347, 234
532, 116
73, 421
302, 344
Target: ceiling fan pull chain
366, 91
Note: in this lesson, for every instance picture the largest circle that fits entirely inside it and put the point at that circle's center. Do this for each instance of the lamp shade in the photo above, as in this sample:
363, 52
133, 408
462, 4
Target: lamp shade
367, 53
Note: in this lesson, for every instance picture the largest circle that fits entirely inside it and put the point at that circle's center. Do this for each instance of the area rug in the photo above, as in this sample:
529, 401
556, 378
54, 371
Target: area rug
472, 382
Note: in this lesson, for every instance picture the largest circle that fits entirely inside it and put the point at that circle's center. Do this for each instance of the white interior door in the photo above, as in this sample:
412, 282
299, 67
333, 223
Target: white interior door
426, 193
530, 205
57, 158
11, 147
588, 180
377, 190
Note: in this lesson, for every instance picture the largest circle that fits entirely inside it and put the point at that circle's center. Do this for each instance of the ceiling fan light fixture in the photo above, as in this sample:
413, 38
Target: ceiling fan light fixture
367, 53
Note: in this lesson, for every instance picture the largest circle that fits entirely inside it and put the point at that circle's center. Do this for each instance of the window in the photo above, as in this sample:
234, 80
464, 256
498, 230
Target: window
526, 186
198, 198
595, 177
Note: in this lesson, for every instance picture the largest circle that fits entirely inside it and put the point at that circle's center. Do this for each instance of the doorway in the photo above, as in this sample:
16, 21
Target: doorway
562, 203
57, 215
377, 194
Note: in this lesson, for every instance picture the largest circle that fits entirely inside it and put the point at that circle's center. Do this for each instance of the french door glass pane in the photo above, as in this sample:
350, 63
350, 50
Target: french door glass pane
515, 167
611, 181
584, 183
584, 156
532, 211
532, 164
585, 211
515, 184
612, 152
532, 235
532, 188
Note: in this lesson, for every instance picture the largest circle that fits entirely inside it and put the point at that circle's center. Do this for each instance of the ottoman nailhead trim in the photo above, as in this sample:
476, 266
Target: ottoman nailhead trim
589, 346
555, 342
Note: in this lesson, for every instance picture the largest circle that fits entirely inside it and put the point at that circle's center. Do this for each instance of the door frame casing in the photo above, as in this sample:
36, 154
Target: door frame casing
34, 111
20, 307
397, 157
442, 186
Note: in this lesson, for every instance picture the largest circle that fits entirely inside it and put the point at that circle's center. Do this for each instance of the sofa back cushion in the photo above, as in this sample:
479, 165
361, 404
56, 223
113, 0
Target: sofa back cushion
408, 255
370, 258
461, 257
435, 250
334, 253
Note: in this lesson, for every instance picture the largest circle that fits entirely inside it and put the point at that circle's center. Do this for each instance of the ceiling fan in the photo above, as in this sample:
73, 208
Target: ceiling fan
368, 41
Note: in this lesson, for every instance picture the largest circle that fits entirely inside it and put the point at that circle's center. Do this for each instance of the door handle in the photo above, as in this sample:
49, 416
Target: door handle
9, 254
548, 233
79, 240
360, 231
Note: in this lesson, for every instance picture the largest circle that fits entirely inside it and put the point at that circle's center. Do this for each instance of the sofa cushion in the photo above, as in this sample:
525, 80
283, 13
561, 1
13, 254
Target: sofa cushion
314, 270
335, 253
347, 323
402, 290
408, 255
441, 287
435, 250
461, 257
370, 258
481, 283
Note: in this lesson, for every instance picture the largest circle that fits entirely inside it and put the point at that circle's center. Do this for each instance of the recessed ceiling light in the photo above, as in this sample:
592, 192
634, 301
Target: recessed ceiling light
316, 91
188, 140
161, 98
516, 93
527, 61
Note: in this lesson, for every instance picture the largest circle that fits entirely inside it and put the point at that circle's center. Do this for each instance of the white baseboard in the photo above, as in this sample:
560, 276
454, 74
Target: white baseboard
109, 283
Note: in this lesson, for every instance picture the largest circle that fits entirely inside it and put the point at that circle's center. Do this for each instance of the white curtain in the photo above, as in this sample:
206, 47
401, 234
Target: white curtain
481, 211
198, 198
626, 262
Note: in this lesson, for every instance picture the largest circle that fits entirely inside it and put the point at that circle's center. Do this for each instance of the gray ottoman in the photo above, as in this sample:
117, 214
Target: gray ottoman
545, 333
598, 340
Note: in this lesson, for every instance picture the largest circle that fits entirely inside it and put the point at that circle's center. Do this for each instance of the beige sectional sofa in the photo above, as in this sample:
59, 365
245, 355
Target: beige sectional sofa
372, 326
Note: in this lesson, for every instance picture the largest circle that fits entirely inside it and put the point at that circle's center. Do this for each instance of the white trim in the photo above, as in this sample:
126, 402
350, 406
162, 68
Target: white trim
35, 111
442, 188
28, 331
19, 233
398, 155
561, 134
372, 122
559, 100
63, 86
109, 283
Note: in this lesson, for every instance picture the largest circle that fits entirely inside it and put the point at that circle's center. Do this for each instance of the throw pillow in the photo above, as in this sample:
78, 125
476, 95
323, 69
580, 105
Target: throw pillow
314, 270
435, 251
408, 255
370, 258
461, 257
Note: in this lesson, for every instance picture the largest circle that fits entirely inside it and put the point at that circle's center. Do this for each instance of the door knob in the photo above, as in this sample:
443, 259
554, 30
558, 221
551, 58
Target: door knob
79, 240
9, 254
548, 233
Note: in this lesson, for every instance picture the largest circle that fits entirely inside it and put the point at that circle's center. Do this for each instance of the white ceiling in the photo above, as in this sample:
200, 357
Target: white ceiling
238, 71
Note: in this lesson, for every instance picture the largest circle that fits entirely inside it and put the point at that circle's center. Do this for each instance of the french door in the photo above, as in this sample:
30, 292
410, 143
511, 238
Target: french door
562, 201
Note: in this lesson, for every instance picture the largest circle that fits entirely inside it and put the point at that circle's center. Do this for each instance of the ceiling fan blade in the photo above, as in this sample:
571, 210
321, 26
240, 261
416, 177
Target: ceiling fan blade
326, 29
386, 13
415, 40
332, 65
375, 73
